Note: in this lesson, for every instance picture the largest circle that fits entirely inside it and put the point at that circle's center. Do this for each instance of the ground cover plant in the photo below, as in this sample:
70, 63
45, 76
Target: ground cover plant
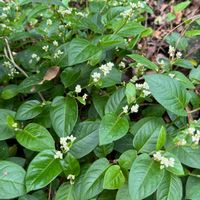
99, 100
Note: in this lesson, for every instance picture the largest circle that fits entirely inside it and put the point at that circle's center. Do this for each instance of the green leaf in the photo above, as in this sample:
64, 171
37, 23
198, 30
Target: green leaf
9, 91
29, 110
109, 41
192, 187
87, 138
92, 183
130, 93
66, 192
144, 178
6, 131
170, 188
181, 6
113, 178
11, 180
169, 93
35, 137
115, 102
70, 165
103, 150
161, 138
141, 59
146, 137
123, 193
177, 169
183, 63
195, 75
42, 170
69, 76
192, 33
81, 50
112, 128
188, 156
64, 113
170, 17
126, 159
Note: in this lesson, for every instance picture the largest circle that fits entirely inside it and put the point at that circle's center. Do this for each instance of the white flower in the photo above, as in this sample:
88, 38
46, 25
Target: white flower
172, 75
45, 48
157, 156
71, 138
58, 154
134, 108
78, 89
85, 97
55, 43
196, 137
181, 142
96, 76
125, 109
165, 162
146, 93
122, 65
191, 131
34, 55
6, 8
171, 51
133, 5
71, 178
139, 86
49, 22
145, 86
106, 68
14, 125
58, 54
178, 54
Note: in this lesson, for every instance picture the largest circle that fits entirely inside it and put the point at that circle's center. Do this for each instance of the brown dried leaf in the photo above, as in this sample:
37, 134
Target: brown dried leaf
50, 74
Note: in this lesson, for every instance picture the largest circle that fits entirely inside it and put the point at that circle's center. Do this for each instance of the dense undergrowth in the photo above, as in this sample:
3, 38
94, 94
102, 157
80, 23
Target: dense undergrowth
99, 100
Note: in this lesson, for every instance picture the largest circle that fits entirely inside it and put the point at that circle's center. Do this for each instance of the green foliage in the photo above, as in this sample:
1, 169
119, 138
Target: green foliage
86, 113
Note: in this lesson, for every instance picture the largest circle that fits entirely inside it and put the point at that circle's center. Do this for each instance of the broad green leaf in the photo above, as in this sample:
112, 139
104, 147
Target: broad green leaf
28, 197
113, 178
188, 156
177, 169
11, 180
170, 17
181, 6
146, 137
70, 165
81, 50
169, 93
161, 138
141, 59
29, 110
170, 188
192, 33
126, 159
153, 111
115, 102
87, 138
69, 76
112, 128
64, 113
184, 63
103, 150
92, 183
42, 170
195, 75
192, 187
6, 131
130, 93
9, 91
65, 192
4, 150
144, 178
108, 41
123, 193
35, 137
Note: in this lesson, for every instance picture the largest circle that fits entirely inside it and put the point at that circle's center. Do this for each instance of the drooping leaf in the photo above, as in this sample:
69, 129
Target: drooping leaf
112, 128
169, 93
161, 138
65, 192
144, 178
43, 169
11, 180
64, 113
35, 137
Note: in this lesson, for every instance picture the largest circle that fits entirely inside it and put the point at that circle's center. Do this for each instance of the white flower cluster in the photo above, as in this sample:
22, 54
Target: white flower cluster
34, 57
195, 134
11, 69
134, 108
122, 65
144, 87
45, 48
105, 69
58, 54
49, 22
71, 178
78, 89
65, 145
55, 43
181, 142
67, 11
172, 52
164, 162
137, 5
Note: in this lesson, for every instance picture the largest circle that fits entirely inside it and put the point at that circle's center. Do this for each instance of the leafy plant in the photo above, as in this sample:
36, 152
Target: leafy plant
85, 114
